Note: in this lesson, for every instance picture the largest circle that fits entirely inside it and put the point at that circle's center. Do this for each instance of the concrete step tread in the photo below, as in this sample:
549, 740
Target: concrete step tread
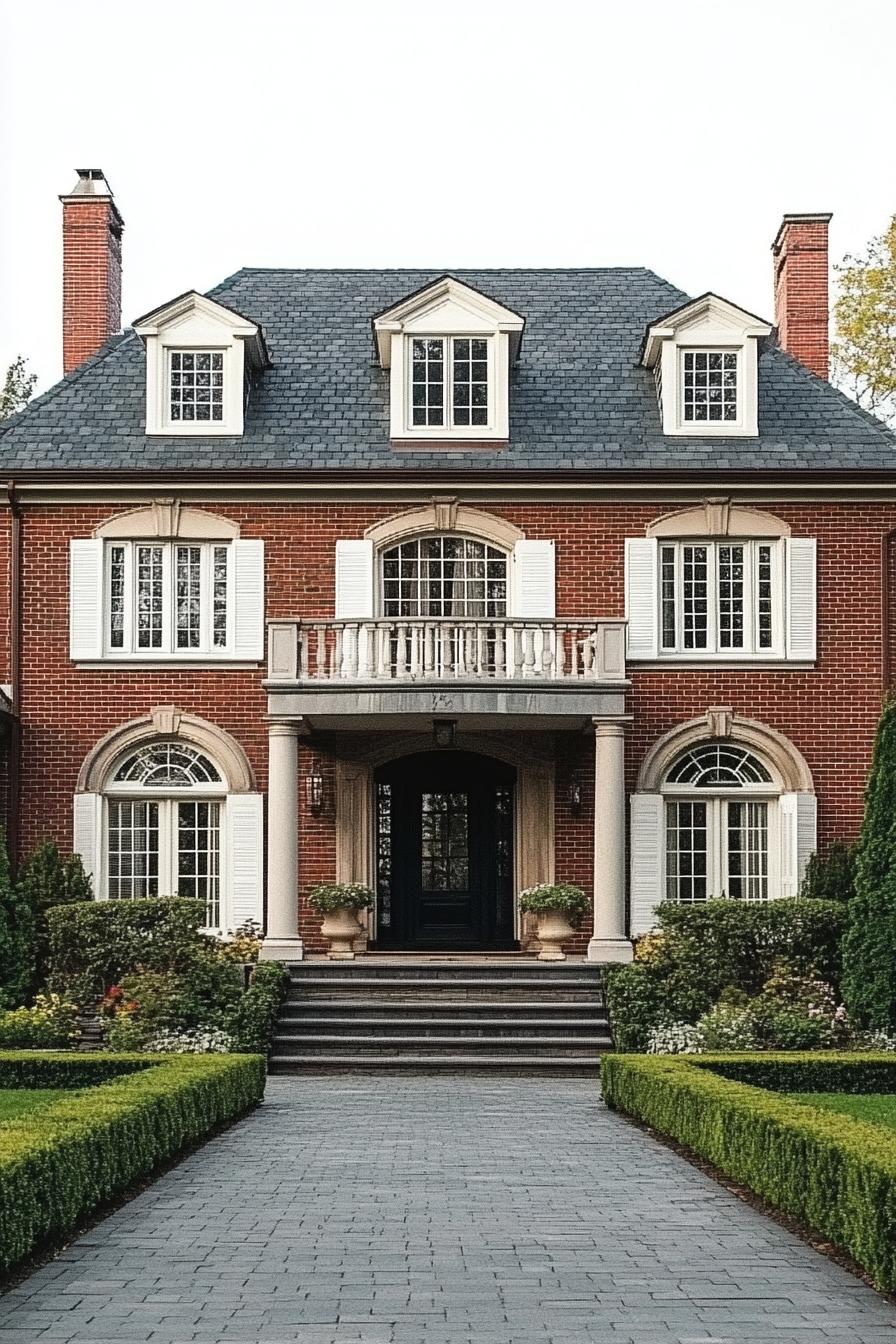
411, 1038
552, 1006
408, 1019
518, 982
440, 1061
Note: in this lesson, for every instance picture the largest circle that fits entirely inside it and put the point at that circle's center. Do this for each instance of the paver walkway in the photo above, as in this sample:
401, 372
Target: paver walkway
440, 1210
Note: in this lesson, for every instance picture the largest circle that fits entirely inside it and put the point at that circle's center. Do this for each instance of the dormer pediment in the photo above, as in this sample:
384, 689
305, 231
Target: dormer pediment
705, 321
446, 307
194, 319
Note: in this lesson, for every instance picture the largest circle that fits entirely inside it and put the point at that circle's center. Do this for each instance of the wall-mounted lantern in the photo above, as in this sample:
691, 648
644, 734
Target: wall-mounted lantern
314, 788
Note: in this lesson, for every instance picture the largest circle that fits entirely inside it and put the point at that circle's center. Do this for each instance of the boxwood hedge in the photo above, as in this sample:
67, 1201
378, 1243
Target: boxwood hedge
125, 1116
834, 1173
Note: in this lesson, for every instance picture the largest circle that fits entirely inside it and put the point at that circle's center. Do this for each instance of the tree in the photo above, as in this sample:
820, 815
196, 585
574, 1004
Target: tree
869, 948
865, 312
17, 387
16, 937
46, 880
830, 876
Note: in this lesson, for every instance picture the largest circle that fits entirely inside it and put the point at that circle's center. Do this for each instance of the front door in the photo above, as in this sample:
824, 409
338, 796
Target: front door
445, 853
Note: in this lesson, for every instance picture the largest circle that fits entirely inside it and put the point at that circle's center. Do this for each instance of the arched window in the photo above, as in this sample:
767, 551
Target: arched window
721, 825
164, 825
443, 576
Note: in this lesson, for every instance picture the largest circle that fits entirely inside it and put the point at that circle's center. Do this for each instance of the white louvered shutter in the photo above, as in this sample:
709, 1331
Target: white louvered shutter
801, 599
248, 599
245, 829
87, 836
354, 580
533, 590
86, 598
641, 580
648, 859
798, 813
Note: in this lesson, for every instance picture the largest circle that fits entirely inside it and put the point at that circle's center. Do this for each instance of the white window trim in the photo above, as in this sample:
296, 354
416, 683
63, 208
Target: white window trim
169, 652
448, 428
717, 836
712, 653
401, 388
738, 352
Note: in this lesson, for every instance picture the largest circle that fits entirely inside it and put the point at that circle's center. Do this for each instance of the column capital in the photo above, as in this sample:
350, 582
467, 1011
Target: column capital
610, 727
287, 728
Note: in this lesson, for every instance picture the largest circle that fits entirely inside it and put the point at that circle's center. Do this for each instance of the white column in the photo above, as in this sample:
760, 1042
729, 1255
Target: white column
610, 941
282, 941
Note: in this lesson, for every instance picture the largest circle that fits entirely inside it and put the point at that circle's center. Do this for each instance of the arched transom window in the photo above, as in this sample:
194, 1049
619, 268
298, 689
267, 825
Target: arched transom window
444, 576
721, 820
163, 826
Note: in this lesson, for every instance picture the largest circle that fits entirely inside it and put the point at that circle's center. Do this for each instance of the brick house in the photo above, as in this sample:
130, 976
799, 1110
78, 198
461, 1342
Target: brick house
447, 584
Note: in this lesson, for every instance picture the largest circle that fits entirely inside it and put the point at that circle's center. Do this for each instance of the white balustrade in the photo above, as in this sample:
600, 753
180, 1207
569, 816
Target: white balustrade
449, 649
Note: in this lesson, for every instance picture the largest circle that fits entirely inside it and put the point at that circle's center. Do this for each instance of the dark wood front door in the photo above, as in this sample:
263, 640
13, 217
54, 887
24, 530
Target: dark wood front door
445, 853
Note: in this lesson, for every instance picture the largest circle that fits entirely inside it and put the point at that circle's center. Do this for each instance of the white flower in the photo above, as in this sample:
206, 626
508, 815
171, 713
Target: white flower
190, 1041
674, 1038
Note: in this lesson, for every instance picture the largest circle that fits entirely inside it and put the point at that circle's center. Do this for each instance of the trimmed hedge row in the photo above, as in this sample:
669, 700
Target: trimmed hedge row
834, 1173
58, 1164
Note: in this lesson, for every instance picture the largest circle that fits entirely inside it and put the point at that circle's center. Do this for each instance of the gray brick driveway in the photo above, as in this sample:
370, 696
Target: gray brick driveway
440, 1210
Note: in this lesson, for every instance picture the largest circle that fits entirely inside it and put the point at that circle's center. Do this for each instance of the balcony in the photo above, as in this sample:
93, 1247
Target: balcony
402, 672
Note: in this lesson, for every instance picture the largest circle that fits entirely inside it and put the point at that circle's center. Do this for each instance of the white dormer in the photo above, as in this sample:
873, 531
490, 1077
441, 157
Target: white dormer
199, 355
705, 359
449, 349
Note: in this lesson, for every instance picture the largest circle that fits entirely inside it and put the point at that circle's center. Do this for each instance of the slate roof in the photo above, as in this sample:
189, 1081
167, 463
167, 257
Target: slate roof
578, 396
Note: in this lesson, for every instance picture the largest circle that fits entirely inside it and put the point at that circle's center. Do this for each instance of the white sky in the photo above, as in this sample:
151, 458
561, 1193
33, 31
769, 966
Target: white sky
666, 133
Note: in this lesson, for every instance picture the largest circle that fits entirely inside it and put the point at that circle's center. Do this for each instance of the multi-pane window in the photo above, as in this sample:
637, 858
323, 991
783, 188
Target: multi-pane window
720, 597
449, 382
720, 808
444, 576
161, 838
167, 597
196, 385
709, 386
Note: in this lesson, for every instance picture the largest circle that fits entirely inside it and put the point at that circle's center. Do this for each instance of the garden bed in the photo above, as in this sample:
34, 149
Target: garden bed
834, 1172
119, 1118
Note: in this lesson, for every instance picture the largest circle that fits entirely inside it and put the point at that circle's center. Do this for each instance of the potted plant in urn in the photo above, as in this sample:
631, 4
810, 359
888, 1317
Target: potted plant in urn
339, 903
558, 908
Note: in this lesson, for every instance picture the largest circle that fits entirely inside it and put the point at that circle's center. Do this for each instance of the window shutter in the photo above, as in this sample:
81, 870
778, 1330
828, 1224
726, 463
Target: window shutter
647, 843
641, 596
801, 597
86, 598
87, 836
245, 828
354, 580
798, 812
248, 599
533, 580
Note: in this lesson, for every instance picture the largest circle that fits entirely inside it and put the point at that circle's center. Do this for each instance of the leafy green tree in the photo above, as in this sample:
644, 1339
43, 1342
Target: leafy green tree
865, 311
830, 876
18, 386
46, 880
16, 937
869, 948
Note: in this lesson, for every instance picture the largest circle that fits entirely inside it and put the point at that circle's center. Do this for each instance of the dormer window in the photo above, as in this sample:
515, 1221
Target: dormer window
199, 360
449, 349
705, 360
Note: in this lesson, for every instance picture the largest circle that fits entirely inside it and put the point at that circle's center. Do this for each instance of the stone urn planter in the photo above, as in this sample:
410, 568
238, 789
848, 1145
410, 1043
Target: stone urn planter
558, 907
341, 927
339, 903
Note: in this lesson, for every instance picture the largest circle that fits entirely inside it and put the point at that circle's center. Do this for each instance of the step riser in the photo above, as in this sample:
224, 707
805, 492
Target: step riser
295, 1031
451, 994
506, 1046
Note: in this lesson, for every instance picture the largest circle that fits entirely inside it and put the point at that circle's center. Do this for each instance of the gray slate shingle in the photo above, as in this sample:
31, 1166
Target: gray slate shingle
578, 397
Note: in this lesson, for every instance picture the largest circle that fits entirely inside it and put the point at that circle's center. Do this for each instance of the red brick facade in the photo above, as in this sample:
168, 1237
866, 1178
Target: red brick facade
828, 712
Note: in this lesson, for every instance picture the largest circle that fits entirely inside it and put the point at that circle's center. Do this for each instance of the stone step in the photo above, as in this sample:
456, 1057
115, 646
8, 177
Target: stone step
367, 969
384, 1027
586, 1066
414, 1043
442, 1007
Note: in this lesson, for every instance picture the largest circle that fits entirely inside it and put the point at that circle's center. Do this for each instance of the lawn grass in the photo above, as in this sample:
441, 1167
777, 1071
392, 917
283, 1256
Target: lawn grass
16, 1101
878, 1108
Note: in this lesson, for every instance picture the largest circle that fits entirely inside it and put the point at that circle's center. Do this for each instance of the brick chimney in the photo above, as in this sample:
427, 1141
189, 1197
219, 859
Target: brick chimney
800, 256
91, 267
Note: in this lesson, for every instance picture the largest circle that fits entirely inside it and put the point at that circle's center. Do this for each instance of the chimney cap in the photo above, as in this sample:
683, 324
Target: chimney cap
93, 184
806, 217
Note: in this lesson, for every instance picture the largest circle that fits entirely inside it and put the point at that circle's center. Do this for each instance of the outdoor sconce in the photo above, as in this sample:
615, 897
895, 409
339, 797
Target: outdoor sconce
314, 789
444, 731
575, 797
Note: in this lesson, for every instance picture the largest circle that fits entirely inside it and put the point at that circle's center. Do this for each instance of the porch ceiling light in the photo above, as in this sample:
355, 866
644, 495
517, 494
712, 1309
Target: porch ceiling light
444, 732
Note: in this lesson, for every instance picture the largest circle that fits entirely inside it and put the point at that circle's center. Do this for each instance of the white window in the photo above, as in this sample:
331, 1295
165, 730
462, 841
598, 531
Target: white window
164, 814
721, 826
444, 576
196, 385
721, 597
449, 382
168, 597
709, 386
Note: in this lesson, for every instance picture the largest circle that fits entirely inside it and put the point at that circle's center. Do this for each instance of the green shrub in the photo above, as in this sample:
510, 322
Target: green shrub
44, 881
16, 937
562, 897
835, 1173
58, 1165
869, 948
93, 944
327, 896
641, 997
48, 1025
830, 876
251, 1025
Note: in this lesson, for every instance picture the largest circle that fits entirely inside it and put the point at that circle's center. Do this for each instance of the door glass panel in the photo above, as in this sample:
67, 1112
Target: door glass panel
384, 854
445, 857
748, 851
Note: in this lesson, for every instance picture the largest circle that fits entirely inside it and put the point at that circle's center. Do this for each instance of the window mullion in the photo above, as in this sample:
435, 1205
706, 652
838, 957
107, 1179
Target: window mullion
720, 846
167, 860
712, 597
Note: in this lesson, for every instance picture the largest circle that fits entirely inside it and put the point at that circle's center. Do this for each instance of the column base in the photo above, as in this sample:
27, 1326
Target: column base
610, 949
282, 949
